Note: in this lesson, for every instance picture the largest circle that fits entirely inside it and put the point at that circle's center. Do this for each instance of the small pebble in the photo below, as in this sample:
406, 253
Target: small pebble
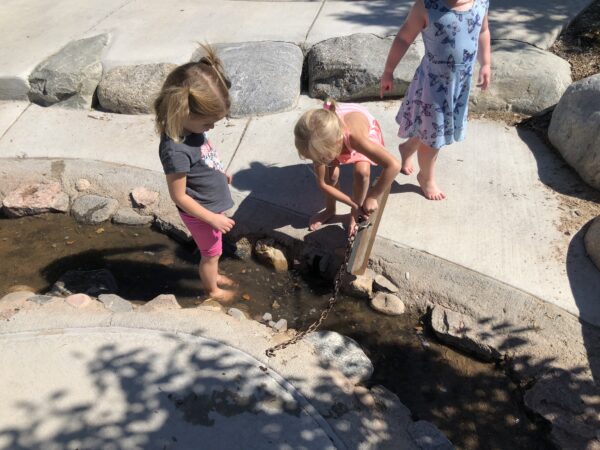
267, 317
275, 305
281, 325
246, 297
271, 323
407, 275
100, 230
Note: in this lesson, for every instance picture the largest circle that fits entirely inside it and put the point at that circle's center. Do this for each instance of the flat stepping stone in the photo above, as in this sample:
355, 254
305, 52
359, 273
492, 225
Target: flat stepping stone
35, 199
128, 216
93, 209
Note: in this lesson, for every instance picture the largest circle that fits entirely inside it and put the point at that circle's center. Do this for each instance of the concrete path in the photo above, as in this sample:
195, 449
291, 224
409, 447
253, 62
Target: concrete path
500, 219
151, 31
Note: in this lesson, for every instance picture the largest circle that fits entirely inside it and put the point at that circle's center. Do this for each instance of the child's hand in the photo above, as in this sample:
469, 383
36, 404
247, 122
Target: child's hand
222, 223
369, 206
386, 83
485, 75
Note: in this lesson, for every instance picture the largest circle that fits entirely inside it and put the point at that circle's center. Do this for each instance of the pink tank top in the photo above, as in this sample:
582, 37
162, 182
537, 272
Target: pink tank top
350, 155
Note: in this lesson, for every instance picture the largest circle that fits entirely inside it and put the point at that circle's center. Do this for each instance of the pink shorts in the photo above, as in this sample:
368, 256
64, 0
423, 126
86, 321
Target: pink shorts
208, 239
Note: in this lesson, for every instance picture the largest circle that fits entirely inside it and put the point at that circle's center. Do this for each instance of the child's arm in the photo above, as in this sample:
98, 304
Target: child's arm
415, 22
484, 56
176, 183
320, 172
359, 140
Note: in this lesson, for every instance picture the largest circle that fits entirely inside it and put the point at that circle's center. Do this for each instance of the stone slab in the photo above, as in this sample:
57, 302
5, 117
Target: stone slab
100, 136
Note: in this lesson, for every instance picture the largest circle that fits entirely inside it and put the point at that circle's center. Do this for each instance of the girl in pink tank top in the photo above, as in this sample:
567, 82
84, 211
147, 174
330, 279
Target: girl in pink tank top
344, 133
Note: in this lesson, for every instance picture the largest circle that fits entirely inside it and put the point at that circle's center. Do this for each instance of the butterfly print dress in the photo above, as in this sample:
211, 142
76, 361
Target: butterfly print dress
436, 104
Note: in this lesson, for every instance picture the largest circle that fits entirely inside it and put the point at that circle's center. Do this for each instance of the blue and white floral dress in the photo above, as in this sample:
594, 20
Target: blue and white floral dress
436, 104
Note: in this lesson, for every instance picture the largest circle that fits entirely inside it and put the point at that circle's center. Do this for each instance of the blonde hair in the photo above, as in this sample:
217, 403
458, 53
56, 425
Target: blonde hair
318, 132
200, 88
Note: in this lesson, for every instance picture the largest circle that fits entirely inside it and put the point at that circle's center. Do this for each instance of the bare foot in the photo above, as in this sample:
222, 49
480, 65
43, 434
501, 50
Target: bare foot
222, 295
406, 153
430, 189
319, 219
224, 280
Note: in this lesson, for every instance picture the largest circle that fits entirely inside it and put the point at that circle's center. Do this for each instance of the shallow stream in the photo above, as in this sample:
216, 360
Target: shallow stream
475, 404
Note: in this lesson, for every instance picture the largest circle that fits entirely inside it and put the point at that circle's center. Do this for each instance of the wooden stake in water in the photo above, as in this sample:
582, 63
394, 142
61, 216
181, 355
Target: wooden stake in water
365, 237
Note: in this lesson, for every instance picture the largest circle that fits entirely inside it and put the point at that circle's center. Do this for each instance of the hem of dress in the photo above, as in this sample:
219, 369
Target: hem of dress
413, 133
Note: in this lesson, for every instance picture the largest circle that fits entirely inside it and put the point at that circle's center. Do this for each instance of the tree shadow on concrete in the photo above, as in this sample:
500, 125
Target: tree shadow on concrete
196, 396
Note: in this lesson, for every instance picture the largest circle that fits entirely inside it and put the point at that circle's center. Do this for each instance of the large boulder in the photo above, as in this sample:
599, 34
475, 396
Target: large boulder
592, 241
575, 128
70, 76
350, 67
265, 76
525, 80
132, 89
34, 199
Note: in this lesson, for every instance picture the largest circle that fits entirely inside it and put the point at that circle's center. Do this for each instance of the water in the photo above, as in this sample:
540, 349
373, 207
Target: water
473, 403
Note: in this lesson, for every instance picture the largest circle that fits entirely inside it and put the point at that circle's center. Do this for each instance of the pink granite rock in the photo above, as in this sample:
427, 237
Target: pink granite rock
78, 300
143, 197
36, 199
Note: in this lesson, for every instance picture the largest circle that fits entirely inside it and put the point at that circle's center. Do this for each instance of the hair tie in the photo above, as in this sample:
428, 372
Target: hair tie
327, 105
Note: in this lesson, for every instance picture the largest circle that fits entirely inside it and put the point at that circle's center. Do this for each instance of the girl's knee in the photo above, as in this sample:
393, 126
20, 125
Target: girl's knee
362, 171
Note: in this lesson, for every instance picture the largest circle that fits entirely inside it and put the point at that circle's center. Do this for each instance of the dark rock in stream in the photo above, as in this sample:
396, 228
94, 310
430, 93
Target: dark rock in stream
428, 437
90, 282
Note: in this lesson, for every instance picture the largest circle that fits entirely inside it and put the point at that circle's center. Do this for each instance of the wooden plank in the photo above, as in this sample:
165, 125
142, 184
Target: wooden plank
365, 237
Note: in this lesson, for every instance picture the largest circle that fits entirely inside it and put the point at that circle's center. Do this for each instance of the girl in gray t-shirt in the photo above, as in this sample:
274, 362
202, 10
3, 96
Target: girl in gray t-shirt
193, 98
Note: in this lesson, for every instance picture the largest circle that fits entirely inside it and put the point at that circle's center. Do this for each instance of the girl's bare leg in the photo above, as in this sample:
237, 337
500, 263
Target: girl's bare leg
407, 150
426, 176
321, 218
209, 274
360, 187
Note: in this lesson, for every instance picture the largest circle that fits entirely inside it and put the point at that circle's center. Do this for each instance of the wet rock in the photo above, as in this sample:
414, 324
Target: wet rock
280, 326
466, 333
428, 437
525, 79
34, 199
132, 89
265, 76
574, 128
20, 288
268, 254
143, 198
236, 314
569, 401
387, 304
360, 286
211, 305
349, 67
381, 283
173, 227
160, 303
69, 77
386, 400
343, 353
115, 303
128, 216
41, 299
90, 282
93, 209
78, 300
243, 249
82, 185
592, 241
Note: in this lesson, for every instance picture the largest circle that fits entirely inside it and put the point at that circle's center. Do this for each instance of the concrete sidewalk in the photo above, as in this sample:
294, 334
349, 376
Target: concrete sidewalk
154, 31
500, 219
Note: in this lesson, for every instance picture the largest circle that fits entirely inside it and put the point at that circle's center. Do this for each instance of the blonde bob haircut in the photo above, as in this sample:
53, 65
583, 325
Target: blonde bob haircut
318, 134
199, 88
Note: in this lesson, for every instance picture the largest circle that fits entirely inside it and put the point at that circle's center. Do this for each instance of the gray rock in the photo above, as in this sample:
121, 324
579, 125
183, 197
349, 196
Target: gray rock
82, 185
342, 352
93, 209
350, 67
268, 254
243, 249
115, 303
143, 198
592, 241
575, 128
34, 199
569, 401
525, 80
160, 303
428, 437
466, 333
132, 89
41, 299
265, 76
128, 216
236, 314
173, 227
70, 76
381, 283
90, 282
281, 325
267, 317
388, 304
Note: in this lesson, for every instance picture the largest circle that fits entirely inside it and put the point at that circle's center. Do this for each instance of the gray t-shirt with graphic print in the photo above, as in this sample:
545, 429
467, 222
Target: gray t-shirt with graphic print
205, 177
